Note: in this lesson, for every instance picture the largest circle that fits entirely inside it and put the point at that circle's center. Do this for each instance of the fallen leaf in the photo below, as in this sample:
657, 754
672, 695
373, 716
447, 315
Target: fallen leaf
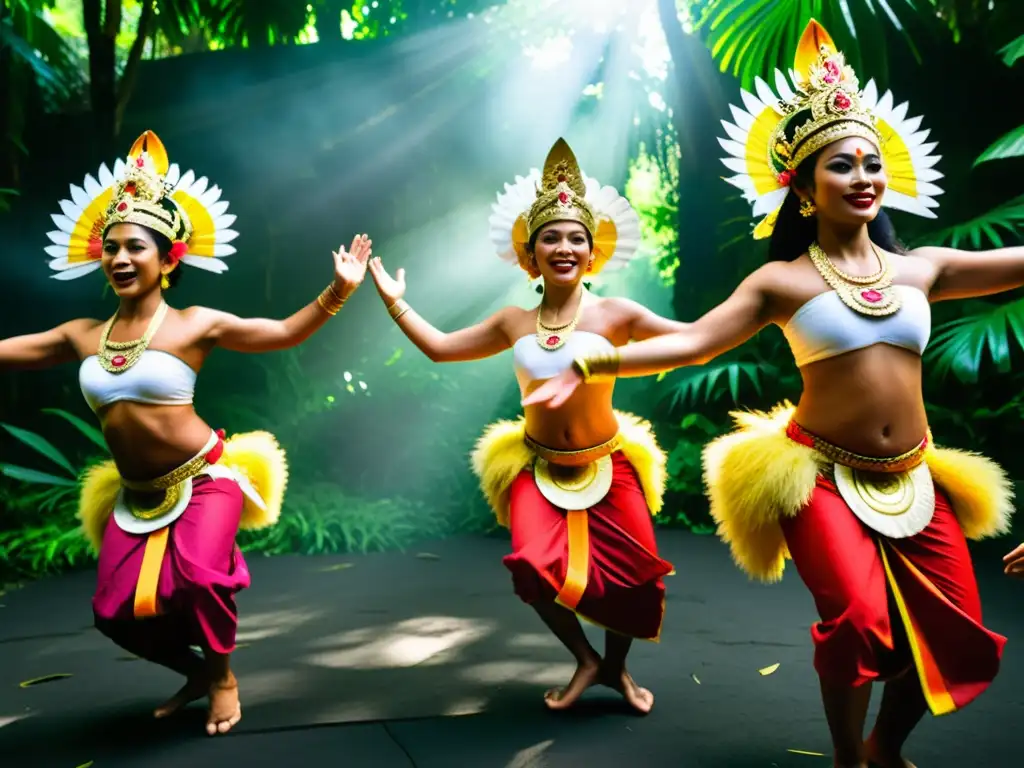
695, 679
86, 765
127, 658
805, 752
337, 567
768, 670
242, 645
44, 679
427, 556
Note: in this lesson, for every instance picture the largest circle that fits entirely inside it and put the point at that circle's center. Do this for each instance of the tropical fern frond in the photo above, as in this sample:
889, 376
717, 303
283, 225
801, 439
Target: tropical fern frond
959, 346
991, 227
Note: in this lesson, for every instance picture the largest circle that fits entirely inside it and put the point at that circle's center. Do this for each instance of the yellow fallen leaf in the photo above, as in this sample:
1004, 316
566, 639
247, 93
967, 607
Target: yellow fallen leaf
86, 765
242, 645
768, 670
337, 567
805, 752
44, 679
695, 679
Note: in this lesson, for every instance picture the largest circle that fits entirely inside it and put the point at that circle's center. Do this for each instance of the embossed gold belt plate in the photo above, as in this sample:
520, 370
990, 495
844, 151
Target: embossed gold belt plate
574, 487
895, 504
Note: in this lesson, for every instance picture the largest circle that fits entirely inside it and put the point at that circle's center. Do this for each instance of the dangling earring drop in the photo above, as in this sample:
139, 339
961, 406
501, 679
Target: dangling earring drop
807, 208
165, 283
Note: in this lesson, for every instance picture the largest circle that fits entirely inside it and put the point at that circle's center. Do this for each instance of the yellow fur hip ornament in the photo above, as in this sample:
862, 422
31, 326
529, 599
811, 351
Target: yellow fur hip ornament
255, 456
501, 454
756, 475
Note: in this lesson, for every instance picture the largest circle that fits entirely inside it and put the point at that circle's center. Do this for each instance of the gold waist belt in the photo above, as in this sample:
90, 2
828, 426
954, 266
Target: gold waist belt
163, 493
578, 458
902, 463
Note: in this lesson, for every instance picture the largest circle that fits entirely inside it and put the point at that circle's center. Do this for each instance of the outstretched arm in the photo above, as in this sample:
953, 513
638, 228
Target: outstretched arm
259, 334
726, 326
42, 350
473, 343
966, 274
642, 322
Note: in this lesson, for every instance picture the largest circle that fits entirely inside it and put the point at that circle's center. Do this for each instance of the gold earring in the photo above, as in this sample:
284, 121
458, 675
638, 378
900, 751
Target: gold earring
165, 283
807, 208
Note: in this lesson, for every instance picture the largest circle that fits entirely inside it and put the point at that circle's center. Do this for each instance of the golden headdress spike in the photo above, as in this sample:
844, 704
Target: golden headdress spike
561, 167
814, 39
150, 143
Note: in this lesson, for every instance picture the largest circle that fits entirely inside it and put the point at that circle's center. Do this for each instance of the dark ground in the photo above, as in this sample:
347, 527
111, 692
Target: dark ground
426, 659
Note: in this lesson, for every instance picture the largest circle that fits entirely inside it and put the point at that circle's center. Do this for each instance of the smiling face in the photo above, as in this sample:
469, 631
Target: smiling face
132, 260
849, 182
562, 252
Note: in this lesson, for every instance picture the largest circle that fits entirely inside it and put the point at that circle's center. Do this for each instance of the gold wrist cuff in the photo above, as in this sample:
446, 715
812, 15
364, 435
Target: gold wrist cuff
602, 367
398, 309
330, 301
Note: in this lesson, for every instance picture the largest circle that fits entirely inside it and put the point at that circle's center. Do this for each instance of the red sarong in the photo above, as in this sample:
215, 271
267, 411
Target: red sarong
623, 574
201, 572
861, 580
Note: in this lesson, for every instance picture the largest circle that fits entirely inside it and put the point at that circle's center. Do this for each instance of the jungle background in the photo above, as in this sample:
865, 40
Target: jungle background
403, 118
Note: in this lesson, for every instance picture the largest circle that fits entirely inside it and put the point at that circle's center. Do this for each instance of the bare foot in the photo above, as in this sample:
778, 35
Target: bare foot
225, 708
640, 699
194, 688
878, 757
586, 675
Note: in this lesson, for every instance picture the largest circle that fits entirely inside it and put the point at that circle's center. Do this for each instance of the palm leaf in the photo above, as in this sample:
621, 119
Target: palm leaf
26, 475
1013, 51
41, 445
1010, 145
959, 346
985, 228
702, 383
84, 427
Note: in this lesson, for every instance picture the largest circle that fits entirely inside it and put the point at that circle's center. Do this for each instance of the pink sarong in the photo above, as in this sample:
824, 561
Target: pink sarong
201, 572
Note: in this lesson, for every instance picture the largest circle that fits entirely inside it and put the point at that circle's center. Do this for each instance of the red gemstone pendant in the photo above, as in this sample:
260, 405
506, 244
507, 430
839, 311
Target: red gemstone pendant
118, 361
872, 295
552, 340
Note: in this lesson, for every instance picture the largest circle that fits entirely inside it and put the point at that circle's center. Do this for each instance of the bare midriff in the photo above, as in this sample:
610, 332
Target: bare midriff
868, 401
147, 441
586, 419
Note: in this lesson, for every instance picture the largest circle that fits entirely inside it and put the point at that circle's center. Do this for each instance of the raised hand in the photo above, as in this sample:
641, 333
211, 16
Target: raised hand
391, 289
555, 391
350, 265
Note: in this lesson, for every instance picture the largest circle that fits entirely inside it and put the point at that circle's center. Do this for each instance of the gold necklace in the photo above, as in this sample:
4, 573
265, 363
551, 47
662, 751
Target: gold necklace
552, 338
119, 356
871, 295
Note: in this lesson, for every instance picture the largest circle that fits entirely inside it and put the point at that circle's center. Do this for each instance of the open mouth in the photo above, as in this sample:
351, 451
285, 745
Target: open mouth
124, 277
563, 266
861, 200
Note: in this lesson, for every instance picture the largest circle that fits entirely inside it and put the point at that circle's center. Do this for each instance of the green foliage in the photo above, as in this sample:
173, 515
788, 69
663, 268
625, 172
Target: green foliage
1013, 51
322, 519
653, 190
983, 229
959, 346
685, 502
1010, 145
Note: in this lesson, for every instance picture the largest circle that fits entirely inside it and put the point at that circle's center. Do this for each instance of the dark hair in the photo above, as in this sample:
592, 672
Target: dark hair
794, 233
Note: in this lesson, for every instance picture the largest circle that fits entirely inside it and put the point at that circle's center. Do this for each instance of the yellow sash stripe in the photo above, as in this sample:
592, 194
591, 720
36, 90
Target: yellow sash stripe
149, 574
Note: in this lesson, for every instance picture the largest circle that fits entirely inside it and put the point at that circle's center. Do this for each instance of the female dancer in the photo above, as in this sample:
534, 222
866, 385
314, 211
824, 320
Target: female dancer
577, 486
848, 484
164, 512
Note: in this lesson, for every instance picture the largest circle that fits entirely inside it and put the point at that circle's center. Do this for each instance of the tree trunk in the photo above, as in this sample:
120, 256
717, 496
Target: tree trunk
131, 67
101, 34
698, 102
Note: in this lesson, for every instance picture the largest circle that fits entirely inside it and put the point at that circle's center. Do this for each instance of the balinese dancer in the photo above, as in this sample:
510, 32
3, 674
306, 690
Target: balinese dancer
849, 484
164, 512
576, 486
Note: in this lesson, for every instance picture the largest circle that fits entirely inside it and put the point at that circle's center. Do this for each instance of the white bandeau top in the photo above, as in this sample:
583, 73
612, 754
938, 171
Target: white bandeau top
157, 378
533, 363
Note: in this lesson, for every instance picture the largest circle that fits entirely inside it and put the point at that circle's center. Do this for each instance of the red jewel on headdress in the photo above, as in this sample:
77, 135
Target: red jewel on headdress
842, 101
563, 197
122, 207
552, 340
139, 162
785, 178
562, 177
178, 249
831, 74
130, 187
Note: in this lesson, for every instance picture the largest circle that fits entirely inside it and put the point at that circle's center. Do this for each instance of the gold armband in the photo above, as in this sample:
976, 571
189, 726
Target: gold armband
398, 309
330, 301
601, 367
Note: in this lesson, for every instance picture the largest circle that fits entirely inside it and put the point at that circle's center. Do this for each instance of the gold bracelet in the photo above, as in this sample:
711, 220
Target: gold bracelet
595, 368
398, 309
330, 301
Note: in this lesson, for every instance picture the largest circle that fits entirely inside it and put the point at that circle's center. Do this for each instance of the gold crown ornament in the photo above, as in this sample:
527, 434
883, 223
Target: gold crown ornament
562, 192
773, 135
143, 189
